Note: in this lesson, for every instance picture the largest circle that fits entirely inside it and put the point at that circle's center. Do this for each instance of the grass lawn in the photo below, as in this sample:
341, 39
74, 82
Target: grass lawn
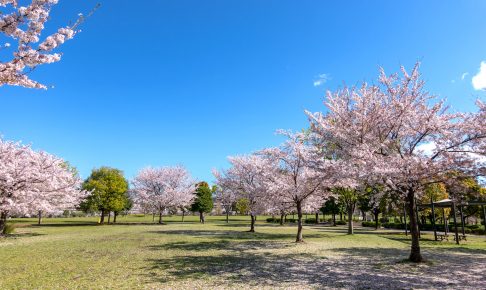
76, 253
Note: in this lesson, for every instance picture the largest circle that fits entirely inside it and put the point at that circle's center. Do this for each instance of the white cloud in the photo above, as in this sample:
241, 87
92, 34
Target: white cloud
463, 76
479, 80
427, 148
321, 79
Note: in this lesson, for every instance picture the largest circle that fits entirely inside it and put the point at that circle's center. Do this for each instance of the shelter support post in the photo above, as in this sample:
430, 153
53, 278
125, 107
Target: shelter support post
455, 222
418, 220
433, 218
484, 217
405, 219
446, 228
462, 220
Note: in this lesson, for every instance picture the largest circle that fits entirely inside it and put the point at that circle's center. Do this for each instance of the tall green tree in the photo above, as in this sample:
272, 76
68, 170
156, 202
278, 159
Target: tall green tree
108, 189
331, 207
127, 205
203, 203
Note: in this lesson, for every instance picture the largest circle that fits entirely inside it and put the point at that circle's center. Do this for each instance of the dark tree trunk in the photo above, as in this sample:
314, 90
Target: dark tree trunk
333, 219
115, 214
39, 217
109, 216
299, 238
317, 217
415, 255
201, 217
350, 220
3, 221
340, 216
227, 216
153, 217
376, 213
160, 217
363, 215
252, 225
282, 216
183, 212
102, 218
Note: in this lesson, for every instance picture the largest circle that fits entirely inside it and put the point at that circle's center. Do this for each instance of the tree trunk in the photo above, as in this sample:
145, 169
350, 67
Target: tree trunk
282, 216
115, 214
350, 220
415, 255
109, 216
363, 214
3, 221
160, 218
333, 219
102, 218
183, 212
340, 216
201, 217
153, 217
227, 217
299, 238
317, 218
376, 213
252, 225
39, 215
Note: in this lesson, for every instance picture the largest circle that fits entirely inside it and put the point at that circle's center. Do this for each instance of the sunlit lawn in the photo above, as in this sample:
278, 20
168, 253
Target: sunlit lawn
77, 253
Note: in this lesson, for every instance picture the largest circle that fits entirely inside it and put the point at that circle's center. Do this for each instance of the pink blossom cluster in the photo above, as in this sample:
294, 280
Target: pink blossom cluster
33, 181
160, 189
24, 25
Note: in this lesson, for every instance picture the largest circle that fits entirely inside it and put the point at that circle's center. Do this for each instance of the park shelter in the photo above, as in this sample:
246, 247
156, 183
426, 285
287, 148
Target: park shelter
453, 205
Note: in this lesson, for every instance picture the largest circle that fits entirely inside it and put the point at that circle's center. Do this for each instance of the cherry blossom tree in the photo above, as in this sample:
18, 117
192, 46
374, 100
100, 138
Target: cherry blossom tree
23, 25
402, 136
32, 181
60, 192
293, 181
224, 193
246, 177
163, 188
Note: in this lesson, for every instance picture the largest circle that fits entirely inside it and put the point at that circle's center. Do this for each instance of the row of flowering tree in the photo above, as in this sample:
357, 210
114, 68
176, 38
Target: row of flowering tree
35, 182
394, 136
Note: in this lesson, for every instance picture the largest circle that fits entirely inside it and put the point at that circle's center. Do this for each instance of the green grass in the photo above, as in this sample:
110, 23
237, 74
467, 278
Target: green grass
76, 253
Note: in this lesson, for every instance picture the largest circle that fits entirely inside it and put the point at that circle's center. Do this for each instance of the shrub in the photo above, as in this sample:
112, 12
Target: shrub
370, 224
340, 223
310, 221
8, 229
272, 220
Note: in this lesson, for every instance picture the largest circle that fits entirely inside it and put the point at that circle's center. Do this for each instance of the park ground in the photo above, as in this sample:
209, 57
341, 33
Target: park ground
76, 253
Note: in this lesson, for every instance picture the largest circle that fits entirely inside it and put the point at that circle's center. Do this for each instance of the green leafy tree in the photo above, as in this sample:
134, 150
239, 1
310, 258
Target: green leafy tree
203, 203
127, 206
108, 190
331, 207
242, 206
349, 198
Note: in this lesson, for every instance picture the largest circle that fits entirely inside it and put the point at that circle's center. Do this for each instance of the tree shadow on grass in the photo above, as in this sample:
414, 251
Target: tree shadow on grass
19, 235
234, 235
257, 264
226, 245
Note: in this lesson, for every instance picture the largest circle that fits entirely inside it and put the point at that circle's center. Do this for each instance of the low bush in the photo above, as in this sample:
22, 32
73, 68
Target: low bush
370, 224
8, 229
340, 223
277, 220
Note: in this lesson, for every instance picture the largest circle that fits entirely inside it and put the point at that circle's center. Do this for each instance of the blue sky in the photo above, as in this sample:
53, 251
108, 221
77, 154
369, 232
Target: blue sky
191, 82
